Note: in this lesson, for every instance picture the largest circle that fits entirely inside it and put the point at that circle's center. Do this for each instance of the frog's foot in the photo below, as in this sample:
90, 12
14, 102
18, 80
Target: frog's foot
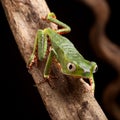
88, 84
32, 60
49, 81
40, 82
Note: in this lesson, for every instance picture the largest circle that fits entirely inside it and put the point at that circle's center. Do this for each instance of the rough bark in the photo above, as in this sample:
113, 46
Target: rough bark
69, 99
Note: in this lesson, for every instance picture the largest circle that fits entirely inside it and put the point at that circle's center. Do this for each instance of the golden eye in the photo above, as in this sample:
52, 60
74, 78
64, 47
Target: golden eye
71, 67
95, 69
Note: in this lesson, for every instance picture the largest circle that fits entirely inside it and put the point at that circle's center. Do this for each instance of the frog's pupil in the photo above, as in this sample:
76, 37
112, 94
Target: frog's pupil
70, 67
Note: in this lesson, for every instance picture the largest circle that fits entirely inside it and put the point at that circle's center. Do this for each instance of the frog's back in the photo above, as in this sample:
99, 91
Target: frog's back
62, 45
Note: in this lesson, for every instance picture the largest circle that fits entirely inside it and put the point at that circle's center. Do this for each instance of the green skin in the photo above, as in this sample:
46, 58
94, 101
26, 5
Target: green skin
71, 61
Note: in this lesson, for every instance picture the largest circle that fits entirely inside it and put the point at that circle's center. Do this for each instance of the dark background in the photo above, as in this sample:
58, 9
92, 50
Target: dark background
22, 99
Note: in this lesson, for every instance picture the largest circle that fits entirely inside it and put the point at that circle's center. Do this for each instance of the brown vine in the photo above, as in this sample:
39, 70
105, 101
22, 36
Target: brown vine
107, 51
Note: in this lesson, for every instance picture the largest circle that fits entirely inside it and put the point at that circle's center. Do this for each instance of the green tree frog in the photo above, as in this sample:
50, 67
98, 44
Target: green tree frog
71, 61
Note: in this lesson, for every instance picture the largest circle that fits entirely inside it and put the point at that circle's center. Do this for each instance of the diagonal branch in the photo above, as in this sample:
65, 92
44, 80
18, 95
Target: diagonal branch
69, 99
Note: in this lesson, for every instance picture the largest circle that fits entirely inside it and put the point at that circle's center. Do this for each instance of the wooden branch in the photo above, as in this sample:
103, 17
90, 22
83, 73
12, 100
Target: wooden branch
69, 99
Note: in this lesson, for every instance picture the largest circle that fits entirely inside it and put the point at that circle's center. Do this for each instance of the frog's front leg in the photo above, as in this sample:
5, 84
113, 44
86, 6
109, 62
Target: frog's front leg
48, 63
39, 49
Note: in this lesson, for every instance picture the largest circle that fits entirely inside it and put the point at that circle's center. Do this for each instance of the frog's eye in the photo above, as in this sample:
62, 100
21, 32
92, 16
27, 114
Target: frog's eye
71, 67
95, 69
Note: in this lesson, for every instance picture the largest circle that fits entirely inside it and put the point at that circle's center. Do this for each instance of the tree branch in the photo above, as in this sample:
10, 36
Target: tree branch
70, 98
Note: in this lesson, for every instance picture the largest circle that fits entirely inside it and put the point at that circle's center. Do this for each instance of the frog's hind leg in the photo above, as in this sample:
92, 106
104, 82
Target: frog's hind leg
39, 49
65, 28
42, 44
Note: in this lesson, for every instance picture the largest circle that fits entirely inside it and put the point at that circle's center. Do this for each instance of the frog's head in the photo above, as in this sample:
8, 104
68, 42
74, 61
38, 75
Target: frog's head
82, 69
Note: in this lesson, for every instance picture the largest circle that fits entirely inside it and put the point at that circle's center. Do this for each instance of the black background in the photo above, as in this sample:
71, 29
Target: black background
22, 99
